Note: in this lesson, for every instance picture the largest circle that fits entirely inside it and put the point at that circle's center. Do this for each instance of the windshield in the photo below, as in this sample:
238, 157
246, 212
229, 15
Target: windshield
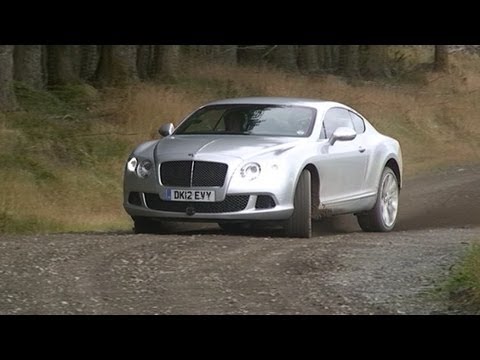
266, 120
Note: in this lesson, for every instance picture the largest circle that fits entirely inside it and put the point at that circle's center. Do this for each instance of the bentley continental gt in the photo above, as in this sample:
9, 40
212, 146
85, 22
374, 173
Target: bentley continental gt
266, 159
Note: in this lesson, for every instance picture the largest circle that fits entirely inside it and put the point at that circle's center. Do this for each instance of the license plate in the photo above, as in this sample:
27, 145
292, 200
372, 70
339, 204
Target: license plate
191, 195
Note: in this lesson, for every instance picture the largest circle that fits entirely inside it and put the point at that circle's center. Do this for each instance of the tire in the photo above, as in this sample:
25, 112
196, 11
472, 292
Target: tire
143, 225
383, 216
300, 223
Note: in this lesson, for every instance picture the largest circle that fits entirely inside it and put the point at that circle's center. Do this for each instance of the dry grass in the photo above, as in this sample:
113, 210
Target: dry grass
435, 119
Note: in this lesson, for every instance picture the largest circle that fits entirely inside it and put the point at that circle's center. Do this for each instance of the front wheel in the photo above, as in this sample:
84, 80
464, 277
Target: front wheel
383, 216
300, 223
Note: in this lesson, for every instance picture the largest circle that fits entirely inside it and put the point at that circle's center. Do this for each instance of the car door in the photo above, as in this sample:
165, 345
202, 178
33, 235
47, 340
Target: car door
341, 166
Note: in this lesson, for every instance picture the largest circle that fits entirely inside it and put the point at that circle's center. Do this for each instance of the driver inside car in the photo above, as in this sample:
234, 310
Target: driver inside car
235, 121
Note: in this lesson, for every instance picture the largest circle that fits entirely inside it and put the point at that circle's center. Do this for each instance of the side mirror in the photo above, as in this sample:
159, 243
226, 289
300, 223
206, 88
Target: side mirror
342, 134
166, 129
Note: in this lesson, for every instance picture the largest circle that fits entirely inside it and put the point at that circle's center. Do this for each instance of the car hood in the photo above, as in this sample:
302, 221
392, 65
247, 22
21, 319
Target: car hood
238, 146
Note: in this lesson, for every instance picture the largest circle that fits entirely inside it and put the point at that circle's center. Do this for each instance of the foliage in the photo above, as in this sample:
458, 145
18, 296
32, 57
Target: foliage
463, 286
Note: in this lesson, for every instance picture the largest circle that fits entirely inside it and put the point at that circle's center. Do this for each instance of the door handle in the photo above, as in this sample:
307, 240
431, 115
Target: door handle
361, 149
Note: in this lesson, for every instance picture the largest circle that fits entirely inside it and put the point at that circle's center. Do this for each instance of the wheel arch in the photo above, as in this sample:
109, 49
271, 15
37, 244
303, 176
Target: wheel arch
393, 164
315, 189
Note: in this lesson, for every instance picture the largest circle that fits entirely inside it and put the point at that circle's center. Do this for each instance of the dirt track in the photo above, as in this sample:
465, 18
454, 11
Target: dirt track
204, 271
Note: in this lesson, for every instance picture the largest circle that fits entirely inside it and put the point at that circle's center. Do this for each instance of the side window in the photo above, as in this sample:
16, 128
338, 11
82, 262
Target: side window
358, 123
335, 118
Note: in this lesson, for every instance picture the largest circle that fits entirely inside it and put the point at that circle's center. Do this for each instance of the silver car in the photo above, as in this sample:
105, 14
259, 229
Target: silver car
246, 161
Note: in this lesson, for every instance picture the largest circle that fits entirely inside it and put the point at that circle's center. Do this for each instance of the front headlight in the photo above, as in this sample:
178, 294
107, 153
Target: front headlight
250, 171
132, 164
144, 169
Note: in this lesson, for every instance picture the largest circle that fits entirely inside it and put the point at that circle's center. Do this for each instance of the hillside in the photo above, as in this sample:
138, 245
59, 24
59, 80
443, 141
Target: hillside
63, 154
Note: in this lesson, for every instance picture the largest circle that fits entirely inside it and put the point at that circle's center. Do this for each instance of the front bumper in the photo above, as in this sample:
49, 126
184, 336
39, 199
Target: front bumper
193, 211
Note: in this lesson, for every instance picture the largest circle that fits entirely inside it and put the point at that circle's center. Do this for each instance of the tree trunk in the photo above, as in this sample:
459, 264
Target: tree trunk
88, 61
226, 54
342, 59
118, 65
61, 66
330, 57
285, 57
167, 61
201, 51
335, 54
8, 101
308, 58
349, 60
144, 60
327, 58
377, 61
362, 59
76, 58
215, 53
44, 61
253, 54
441, 58
28, 65
320, 57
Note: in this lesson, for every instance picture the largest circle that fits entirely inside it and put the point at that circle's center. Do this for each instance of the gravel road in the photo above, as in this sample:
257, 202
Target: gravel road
201, 270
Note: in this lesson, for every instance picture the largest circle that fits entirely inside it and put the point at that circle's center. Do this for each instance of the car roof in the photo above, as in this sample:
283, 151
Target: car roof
270, 101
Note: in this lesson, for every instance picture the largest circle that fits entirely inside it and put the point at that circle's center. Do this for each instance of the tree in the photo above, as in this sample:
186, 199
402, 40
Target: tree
214, 52
89, 57
166, 62
8, 100
253, 54
376, 64
228, 54
197, 51
335, 54
117, 66
322, 55
349, 60
285, 57
28, 65
441, 58
308, 58
61, 66
328, 57
144, 61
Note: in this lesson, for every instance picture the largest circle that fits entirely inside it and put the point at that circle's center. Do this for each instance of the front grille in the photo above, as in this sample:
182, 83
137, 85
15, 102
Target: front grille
264, 202
176, 173
209, 173
179, 173
134, 198
232, 203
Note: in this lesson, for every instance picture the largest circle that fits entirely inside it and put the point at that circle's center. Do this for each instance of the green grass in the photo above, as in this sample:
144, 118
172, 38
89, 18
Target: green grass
62, 140
16, 162
61, 165
11, 223
58, 100
463, 285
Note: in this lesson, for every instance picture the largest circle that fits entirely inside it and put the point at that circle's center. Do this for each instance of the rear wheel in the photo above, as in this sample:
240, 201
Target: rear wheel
300, 223
383, 216
142, 225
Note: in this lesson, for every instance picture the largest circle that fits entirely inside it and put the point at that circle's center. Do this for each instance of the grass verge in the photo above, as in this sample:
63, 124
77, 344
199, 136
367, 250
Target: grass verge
463, 285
